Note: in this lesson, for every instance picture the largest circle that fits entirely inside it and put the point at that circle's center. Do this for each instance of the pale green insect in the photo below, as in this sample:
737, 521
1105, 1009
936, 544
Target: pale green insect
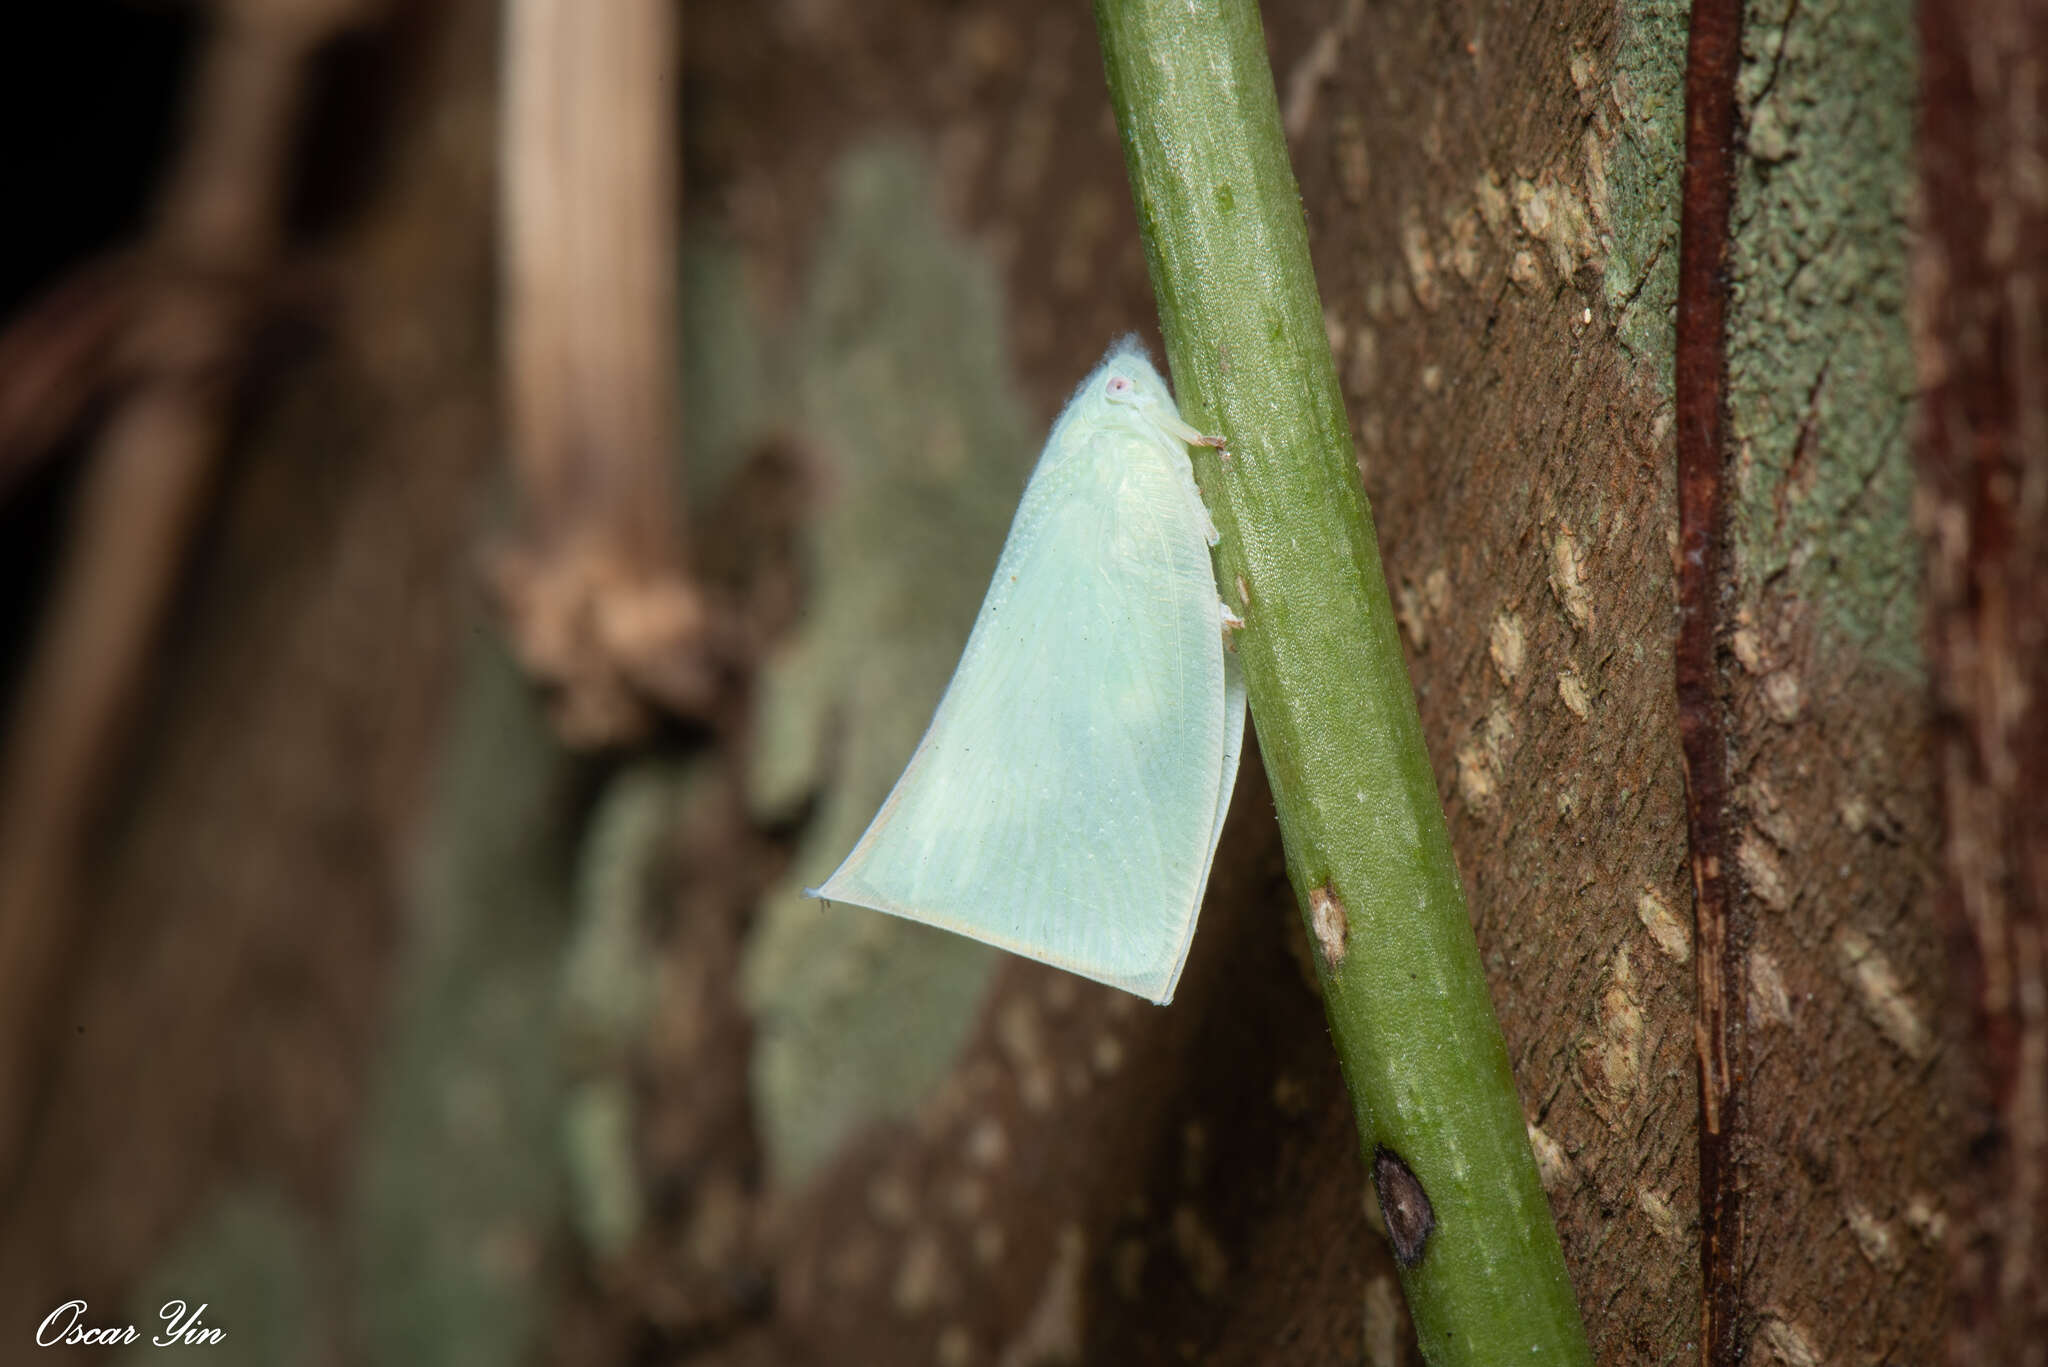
1066, 801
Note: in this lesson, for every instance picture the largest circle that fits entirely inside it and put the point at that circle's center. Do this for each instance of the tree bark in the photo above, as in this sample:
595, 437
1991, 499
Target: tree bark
1980, 287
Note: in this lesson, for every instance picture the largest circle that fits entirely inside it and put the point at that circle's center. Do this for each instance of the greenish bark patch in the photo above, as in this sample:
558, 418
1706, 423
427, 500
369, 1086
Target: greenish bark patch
253, 1262
1820, 365
459, 1193
901, 382
609, 986
1643, 168
727, 380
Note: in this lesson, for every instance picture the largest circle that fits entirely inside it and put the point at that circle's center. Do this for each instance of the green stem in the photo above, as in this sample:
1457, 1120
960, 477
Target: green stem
1367, 848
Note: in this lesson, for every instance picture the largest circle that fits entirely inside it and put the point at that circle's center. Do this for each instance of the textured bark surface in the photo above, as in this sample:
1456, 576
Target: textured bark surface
1850, 1119
1980, 278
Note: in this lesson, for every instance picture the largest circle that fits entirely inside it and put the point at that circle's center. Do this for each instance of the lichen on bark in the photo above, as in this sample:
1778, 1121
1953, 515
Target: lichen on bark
1820, 366
1641, 271
903, 392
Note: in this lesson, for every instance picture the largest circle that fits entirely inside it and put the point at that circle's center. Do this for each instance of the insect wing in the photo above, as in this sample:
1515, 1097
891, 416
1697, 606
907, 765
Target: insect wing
1066, 801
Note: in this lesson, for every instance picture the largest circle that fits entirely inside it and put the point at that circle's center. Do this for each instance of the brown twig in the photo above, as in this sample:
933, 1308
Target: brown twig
150, 470
1713, 61
595, 595
57, 358
1981, 296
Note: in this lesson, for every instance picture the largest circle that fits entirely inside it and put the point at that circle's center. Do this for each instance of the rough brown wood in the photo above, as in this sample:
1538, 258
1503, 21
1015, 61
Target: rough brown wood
1848, 1100
1980, 292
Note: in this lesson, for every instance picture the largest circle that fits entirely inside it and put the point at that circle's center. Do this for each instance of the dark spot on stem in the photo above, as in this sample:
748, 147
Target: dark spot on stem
1403, 1204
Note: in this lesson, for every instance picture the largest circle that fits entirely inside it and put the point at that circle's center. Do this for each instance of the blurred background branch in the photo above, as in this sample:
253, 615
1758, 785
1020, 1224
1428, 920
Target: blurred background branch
596, 597
145, 487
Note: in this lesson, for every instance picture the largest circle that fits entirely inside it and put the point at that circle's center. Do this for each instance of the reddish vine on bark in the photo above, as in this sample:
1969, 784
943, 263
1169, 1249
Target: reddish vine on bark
1713, 60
